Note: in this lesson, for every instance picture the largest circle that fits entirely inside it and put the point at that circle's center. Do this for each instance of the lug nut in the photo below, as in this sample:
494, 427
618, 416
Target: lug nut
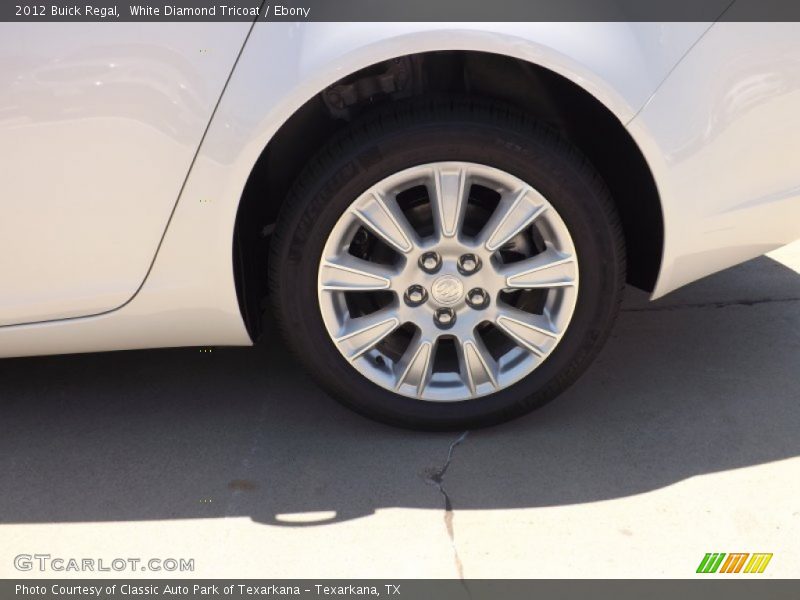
444, 317
415, 295
430, 262
468, 264
477, 298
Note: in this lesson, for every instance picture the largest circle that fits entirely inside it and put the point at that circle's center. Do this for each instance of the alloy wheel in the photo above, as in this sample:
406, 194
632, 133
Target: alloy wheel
448, 281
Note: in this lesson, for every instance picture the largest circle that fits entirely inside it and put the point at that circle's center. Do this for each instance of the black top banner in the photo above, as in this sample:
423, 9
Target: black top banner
399, 10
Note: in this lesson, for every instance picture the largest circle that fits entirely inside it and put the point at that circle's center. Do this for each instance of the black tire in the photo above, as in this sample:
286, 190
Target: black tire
411, 134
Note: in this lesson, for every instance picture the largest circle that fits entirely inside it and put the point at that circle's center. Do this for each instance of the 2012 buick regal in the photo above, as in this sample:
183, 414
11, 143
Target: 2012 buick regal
441, 216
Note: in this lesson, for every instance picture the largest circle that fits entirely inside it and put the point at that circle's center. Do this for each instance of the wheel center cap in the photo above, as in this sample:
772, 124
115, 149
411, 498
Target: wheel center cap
447, 290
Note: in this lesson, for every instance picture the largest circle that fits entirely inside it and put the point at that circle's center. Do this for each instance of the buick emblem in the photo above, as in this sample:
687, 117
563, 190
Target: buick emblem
447, 290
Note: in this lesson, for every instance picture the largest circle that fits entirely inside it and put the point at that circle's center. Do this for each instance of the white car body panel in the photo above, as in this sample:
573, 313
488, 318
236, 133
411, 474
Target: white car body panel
98, 127
189, 297
722, 137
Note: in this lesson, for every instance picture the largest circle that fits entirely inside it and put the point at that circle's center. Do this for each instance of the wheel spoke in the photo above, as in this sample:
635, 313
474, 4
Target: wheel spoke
347, 273
383, 217
449, 199
534, 332
476, 365
416, 365
363, 333
513, 214
546, 270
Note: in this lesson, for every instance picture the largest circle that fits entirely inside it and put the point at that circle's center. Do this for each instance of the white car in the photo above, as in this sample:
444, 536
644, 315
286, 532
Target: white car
440, 216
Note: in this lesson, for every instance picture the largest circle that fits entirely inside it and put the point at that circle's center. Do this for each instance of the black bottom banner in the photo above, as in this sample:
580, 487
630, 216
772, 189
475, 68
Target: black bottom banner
422, 589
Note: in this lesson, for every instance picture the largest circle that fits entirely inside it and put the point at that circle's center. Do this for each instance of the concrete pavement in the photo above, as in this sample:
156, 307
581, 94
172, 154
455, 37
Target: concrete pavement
682, 439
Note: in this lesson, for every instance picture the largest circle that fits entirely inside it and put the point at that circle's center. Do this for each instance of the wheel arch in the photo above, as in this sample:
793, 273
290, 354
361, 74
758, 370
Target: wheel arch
541, 92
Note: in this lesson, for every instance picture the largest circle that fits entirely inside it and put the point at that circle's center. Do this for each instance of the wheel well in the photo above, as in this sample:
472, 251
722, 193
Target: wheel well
538, 91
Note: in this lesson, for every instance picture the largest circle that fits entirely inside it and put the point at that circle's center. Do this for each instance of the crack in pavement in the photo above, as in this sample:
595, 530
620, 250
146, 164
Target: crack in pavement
435, 476
712, 304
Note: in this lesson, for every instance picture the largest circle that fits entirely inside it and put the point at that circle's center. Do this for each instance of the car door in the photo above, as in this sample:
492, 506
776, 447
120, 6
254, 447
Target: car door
99, 124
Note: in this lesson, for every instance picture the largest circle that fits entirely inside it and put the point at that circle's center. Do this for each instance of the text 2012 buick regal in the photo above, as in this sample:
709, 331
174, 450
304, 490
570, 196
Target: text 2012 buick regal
441, 215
